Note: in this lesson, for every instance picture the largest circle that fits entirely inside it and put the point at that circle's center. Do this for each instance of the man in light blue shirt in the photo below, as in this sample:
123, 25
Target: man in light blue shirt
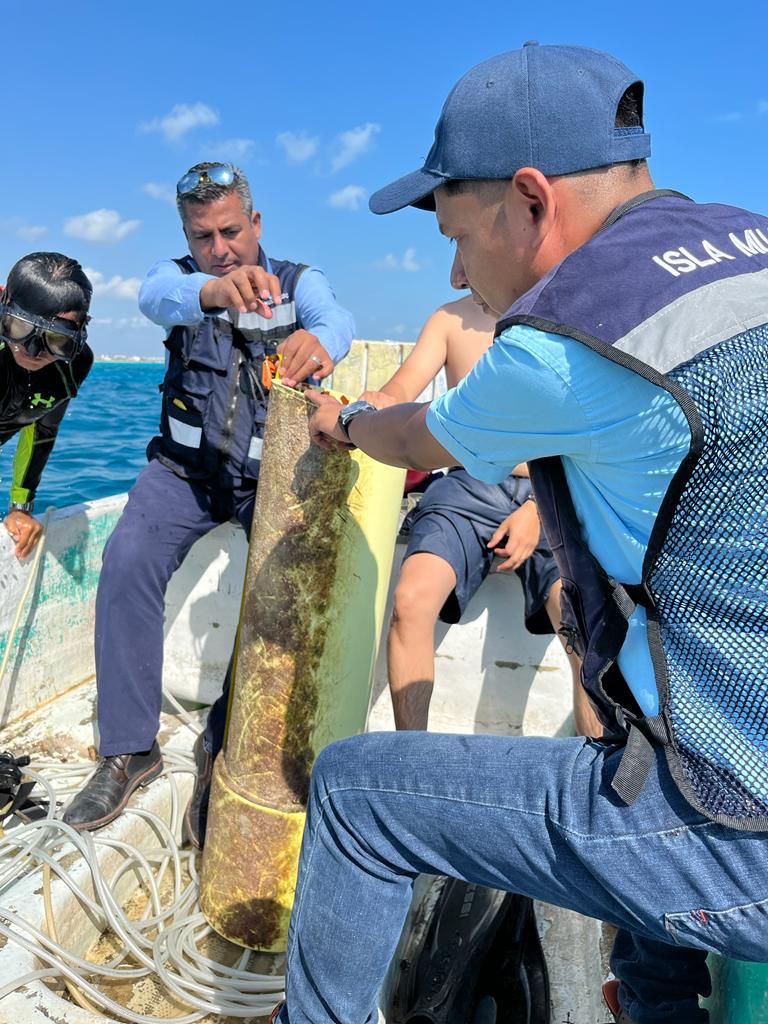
230, 314
634, 387
170, 298
620, 437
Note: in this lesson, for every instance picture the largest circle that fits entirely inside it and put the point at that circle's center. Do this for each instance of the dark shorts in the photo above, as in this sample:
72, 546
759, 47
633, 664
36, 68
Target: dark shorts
456, 518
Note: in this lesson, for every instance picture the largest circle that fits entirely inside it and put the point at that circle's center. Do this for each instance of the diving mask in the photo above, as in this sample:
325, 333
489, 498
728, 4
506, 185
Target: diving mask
60, 338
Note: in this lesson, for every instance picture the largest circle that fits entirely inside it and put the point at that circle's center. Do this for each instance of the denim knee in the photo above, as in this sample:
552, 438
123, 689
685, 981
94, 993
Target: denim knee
337, 766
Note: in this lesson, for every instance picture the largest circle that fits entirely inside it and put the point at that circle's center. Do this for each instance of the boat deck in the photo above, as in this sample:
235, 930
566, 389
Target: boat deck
491, 676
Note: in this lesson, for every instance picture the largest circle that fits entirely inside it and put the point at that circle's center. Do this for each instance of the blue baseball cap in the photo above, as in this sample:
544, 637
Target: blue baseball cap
548, 107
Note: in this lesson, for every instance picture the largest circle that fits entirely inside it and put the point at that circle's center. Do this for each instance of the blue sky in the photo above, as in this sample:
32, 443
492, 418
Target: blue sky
106, 105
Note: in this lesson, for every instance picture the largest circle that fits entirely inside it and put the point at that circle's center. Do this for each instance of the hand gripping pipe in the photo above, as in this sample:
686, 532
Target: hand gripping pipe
323, 536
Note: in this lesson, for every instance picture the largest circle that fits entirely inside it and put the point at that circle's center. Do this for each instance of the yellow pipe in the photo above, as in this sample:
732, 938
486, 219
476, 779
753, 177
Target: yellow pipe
316, 582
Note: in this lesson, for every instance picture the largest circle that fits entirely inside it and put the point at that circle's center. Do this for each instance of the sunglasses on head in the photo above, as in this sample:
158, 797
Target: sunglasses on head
216, 174
60, 338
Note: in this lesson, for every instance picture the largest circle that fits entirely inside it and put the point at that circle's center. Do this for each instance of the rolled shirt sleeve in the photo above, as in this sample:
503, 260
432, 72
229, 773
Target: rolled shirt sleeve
319, 312
168, 297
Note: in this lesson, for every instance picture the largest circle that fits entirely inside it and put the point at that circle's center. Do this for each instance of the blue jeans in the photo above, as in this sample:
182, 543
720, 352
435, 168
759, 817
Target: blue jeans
164, 517
534, 816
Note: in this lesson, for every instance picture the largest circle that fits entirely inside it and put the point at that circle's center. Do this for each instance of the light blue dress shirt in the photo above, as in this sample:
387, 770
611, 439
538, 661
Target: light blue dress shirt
621, 440
169, 297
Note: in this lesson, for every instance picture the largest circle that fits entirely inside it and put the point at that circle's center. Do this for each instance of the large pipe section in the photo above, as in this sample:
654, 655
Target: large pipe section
323, 536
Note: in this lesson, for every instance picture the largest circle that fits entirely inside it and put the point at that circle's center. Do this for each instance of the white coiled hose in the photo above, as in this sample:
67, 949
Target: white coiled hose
164, 943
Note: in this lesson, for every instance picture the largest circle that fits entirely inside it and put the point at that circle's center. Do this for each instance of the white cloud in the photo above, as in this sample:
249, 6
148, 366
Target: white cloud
739, 115
21, 229
409, 262
351, 144
406, 262
348, 198
298, 146
121, 323
181, 119
31, 232
117, 286
230, 150
164, 193
99, 226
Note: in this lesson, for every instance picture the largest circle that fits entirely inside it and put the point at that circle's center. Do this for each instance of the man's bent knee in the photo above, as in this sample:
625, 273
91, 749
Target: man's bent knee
425, 584
130, 560
337, 766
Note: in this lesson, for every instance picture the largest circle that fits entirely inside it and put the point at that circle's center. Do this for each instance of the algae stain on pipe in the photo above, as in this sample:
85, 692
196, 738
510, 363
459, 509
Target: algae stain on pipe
324, 530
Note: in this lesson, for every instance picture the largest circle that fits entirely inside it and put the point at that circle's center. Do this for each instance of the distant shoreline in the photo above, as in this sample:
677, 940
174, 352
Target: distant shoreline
129, 359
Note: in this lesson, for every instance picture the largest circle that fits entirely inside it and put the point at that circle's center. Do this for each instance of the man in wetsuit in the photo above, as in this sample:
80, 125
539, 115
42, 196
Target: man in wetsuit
227, 308
458, 527
44, 359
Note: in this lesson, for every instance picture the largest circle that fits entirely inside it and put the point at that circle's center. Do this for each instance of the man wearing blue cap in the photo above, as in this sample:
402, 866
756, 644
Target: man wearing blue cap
630, 369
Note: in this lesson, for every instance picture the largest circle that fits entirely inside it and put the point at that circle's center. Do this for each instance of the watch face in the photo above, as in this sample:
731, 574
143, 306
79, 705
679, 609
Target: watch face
349, 412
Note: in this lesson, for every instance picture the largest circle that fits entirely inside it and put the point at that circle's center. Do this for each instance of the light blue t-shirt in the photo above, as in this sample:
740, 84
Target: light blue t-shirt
621, 439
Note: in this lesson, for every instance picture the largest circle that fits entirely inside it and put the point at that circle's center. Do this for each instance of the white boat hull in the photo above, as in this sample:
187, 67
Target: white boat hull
491, 676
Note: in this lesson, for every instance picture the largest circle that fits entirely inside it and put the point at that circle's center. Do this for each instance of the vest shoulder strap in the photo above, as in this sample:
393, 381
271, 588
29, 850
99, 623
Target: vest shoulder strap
185, 265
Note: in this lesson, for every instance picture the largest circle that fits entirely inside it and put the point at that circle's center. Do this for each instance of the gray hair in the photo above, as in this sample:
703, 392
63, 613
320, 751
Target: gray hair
209, 191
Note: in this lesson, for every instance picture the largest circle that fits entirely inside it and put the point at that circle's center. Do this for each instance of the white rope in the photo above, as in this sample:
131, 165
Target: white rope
31, 579
183, 714
166, 942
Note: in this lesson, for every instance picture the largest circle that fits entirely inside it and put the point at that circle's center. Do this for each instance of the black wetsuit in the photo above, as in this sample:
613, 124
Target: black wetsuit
35, 402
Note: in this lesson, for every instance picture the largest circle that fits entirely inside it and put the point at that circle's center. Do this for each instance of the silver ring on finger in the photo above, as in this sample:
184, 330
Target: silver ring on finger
316, 359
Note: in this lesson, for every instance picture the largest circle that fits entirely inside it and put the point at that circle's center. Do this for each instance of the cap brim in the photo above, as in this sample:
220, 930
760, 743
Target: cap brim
413, 190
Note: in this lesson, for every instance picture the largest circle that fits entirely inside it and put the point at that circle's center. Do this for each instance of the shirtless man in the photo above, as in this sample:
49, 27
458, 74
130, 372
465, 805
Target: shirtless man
458, 527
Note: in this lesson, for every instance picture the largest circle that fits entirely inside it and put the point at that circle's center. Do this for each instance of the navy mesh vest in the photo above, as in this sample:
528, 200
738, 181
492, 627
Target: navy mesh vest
214, 403
678, 293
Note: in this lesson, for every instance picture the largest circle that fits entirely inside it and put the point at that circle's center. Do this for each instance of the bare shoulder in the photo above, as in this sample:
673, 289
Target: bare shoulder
466, 315
468, 333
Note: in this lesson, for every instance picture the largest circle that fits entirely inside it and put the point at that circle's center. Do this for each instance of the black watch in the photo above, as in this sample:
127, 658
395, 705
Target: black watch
349, 412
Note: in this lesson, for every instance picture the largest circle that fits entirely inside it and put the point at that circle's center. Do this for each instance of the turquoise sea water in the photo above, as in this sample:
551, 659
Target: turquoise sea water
101, 445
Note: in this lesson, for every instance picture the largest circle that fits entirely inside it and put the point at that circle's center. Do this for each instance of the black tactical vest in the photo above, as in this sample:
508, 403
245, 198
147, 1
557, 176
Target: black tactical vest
214, 402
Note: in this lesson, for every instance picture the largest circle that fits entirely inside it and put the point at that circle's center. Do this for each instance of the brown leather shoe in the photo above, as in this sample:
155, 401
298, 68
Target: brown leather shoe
109, 789
611, 997
196, 815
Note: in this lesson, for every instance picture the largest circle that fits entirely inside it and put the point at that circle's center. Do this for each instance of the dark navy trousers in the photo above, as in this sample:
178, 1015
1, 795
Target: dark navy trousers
163, 518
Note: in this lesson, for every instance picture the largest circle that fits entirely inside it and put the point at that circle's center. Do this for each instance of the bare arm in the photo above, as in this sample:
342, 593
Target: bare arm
397, 436
425, 361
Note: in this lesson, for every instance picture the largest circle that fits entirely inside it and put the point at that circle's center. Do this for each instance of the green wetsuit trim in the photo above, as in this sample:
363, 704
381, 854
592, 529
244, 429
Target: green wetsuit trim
22, 459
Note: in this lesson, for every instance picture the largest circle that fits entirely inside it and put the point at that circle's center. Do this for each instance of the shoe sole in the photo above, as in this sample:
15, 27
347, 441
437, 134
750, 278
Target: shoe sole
149, 775
610, 991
